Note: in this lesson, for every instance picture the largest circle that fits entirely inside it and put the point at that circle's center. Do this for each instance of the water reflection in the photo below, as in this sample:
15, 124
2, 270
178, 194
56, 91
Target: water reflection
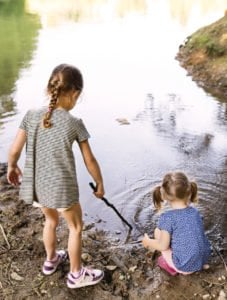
182, 10
18, 31
199, 150
56, 12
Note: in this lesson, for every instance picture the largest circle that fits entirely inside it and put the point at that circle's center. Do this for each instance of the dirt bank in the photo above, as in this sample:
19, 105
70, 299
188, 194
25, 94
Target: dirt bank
130, 271
204, 56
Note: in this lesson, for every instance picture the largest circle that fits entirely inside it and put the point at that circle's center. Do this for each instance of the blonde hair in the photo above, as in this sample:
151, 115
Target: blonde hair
175, 184
63, 79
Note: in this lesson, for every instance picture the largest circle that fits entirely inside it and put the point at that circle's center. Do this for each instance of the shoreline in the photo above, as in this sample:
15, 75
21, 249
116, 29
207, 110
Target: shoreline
204, 56
131, 272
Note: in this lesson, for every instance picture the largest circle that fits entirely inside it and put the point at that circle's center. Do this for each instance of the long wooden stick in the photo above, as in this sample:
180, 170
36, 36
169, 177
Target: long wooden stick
5, 237
112, 206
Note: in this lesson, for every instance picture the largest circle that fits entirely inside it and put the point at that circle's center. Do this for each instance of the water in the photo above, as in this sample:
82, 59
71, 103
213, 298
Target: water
126, 51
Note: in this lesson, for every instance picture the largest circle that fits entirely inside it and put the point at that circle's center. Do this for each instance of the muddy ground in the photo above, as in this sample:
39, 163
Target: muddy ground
131, 272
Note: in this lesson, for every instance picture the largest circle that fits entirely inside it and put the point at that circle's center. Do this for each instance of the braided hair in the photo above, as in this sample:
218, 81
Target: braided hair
63, 79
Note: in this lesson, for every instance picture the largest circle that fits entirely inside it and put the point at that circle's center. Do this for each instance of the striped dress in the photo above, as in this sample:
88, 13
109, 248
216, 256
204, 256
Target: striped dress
49, 175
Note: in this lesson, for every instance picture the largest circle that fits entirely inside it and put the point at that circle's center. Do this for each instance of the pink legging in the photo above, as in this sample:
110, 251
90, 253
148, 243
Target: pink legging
167, 255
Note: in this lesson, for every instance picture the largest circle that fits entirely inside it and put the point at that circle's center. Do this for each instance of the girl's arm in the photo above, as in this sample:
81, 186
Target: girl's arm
162, 243
92, 167
14, 171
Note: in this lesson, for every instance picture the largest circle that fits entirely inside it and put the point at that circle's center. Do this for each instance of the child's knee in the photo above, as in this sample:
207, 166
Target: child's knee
52, 223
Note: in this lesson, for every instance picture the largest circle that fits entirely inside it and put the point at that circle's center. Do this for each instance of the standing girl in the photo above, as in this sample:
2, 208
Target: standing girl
49, 178
180, 235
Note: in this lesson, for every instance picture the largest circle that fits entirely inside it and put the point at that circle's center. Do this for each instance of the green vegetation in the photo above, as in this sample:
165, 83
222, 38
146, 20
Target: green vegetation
210, 45
18, 32
204, 55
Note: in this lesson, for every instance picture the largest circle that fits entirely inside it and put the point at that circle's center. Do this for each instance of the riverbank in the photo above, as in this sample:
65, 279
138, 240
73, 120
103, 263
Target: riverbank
204, 56
130, 271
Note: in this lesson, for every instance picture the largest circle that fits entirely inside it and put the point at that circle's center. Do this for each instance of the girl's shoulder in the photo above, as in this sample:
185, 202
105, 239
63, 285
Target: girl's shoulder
36, 111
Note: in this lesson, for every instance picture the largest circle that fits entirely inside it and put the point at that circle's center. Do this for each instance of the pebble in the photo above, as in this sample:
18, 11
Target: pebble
121, 277
207, 296
16, 277
157, 297
123, 121
132, 269
111, 267
222, 295
116, 240
118, 232
206, 267
88, 226
86, 257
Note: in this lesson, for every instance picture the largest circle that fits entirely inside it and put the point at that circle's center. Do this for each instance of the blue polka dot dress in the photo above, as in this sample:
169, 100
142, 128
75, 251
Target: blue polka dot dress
189, 244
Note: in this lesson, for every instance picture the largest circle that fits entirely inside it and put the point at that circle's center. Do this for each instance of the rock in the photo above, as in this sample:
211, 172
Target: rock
88, 226
219, 278
16, 277
206, 267
111, 267
121, 277
222, 295
86, 257
206, 296
118, 232
123, 121
132, 269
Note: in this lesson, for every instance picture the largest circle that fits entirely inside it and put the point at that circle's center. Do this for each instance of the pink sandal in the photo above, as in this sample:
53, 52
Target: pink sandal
163, 264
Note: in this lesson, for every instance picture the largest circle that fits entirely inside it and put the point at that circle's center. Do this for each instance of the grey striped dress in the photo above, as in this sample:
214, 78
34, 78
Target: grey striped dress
49, 175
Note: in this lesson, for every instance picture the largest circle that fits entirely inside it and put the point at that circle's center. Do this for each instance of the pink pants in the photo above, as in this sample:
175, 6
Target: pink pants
167, 255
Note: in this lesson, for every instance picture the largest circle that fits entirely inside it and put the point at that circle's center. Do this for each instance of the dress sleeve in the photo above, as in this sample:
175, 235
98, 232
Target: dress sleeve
81, 131
24, 122
165, 223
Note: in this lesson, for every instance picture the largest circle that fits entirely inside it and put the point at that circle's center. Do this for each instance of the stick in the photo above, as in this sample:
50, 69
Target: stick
112, 206
5, 237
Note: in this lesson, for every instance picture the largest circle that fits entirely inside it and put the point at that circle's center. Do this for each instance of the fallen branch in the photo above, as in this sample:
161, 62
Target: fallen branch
5, 237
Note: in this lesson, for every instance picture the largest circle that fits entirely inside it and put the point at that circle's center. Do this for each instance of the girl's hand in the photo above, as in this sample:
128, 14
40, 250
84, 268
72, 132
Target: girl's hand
146, 241
13, 175
99, 193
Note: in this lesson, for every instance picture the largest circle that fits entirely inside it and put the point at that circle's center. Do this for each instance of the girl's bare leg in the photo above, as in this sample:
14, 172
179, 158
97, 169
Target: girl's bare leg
73, 217
49, 231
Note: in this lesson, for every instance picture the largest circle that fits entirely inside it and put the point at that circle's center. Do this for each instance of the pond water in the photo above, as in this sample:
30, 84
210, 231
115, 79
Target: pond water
126, 51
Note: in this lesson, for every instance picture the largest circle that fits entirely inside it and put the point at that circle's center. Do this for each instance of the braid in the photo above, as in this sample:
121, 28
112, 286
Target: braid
54, 92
